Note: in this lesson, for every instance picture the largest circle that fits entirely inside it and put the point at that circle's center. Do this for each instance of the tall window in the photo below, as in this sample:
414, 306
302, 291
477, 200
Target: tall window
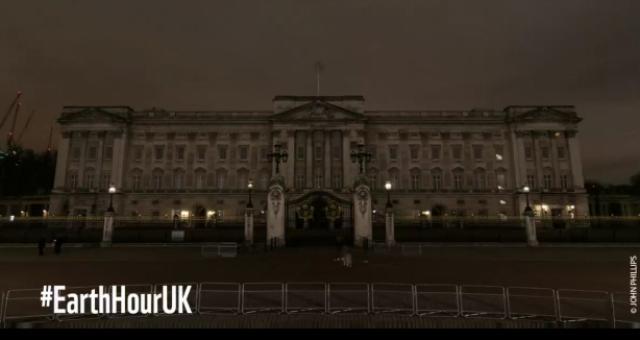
157, 179
159, 152
415, 152
75, 153
180, 153
561, 152
394, 178
373, 179
137, 153
221, 178
106, 180
108, 152
501, 181
499, 149
319, 181
415, 180
547, 182
393, 152
263, 153
531, 181
436, 178
73, 180
300, 153
528, 152
435, 152
200, 178
136, 180
457, 181
456, 152
300, 181
318, 153
201, 153
480, 179
89, 178
178, 179
93, 153
564, 182
222, 152
545, 152
337, 182
477, 152
244, 152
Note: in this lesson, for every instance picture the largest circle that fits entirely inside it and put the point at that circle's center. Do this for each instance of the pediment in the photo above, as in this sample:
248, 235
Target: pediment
318, 111
95, 115
547, 114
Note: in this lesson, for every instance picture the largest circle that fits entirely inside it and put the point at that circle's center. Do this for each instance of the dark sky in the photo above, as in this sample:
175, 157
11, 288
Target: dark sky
399, 54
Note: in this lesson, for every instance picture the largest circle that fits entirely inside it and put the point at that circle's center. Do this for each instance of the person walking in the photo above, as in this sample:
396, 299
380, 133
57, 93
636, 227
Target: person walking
57, 246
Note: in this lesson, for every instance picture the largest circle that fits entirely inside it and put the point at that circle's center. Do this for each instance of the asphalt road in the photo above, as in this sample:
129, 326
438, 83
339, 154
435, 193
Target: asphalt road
571, 268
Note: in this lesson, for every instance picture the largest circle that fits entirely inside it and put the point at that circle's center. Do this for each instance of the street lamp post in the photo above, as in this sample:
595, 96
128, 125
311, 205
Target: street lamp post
387, 186
527, 210
250, 187
361, 156
112, 190
278, 155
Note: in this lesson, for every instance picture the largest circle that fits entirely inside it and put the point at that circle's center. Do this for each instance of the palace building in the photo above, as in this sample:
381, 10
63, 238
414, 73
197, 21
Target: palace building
198, 163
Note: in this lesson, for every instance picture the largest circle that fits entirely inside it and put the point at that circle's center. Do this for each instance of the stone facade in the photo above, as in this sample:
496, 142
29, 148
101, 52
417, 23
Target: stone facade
199, 163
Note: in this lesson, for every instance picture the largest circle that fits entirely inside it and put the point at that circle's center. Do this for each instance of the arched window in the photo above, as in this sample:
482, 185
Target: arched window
501, 179
416, 179
243, 178
136, 180
201, 175
156, 179
373, 178
72, 179
436, 179
480, 179
89, 178
178, 179
263, 181
547, 178
458, 179
221, 178
394, 177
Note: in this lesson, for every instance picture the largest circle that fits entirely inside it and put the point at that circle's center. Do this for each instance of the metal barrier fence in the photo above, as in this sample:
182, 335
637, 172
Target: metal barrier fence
319, 298
223, 249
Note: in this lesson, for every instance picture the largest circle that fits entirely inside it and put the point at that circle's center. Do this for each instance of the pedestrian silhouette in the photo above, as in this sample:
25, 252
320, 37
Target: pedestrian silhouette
41, 245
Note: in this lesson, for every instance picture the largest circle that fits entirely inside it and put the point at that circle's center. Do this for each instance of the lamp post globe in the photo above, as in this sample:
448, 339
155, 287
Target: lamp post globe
112, 191
250, 187
387, 187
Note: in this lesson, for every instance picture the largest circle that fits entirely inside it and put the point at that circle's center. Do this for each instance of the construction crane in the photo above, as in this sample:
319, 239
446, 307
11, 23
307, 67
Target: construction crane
11, 108
12, 147
26, 125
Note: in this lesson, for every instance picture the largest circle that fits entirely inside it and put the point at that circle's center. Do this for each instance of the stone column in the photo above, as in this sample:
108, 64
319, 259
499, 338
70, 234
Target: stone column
327, 159
530, 225
248, 226
520, 160
290, 165
107, 229
347, 176
576, 160
276, 213
389, 227
309, 159
362, 218
61, 162
117, 161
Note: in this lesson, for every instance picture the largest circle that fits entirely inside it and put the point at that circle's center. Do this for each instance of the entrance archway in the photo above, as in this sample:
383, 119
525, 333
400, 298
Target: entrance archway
319, 218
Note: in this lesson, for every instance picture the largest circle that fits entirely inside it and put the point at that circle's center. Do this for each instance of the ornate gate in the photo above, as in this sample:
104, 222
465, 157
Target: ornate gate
319, 217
